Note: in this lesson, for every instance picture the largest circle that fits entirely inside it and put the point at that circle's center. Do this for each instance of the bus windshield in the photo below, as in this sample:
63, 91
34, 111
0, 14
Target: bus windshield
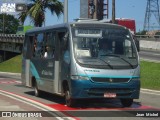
104, 47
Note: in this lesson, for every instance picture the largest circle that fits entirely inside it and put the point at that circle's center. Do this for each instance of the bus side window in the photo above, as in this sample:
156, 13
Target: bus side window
25, 47
28, 47
65, 47
49, 45
38, 45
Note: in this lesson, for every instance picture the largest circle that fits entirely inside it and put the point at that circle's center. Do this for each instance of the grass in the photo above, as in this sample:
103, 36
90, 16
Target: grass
150, 72
12, 65
150, 75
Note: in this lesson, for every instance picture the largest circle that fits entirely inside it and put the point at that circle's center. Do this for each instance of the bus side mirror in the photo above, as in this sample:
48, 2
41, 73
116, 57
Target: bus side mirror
137, 44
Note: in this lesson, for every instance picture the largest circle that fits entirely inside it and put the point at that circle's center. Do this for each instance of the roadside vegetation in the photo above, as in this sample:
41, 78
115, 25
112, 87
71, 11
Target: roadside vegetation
9, 25
150, 72
150, 75
12, 65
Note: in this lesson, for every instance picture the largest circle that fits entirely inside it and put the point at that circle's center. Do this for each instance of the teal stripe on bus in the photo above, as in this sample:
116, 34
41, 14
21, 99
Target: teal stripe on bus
35, 73
105, 76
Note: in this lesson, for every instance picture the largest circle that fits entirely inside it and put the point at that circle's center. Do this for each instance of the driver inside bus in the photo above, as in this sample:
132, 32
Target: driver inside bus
49, 53
104, 49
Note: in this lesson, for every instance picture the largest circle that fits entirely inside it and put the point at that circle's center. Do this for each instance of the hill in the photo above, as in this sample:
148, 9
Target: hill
12, 65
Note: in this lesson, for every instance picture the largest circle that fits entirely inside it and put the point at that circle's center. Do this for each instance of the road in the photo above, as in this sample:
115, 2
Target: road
150, 55
95, 110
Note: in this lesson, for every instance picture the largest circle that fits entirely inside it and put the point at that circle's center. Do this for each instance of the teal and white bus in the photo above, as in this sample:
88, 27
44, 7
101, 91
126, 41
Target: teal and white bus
82, 60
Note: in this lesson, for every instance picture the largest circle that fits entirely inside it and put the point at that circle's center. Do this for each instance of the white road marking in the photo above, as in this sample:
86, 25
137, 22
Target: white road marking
33, 103
10, 82
18, 82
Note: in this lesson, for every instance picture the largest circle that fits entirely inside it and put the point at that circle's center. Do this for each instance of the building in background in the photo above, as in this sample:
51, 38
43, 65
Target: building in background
94, 9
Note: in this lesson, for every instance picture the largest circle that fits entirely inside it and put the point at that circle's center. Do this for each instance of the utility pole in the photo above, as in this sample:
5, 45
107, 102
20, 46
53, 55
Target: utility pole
3, 23
65, 11
113, 11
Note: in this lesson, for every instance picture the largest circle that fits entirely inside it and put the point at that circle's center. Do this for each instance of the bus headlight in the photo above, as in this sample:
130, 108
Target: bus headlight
78, 77
136, 78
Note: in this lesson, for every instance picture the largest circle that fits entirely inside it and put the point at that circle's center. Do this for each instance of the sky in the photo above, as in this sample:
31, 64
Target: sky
134, 9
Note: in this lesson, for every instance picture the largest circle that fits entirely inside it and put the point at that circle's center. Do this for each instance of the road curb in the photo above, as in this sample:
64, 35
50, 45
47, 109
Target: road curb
8, 73
149, 90
148, 60
152, 50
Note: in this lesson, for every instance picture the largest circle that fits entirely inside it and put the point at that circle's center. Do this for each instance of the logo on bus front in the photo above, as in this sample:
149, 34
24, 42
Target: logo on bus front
110, 80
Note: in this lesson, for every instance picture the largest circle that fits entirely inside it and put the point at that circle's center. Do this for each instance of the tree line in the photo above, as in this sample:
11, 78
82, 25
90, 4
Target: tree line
36, 10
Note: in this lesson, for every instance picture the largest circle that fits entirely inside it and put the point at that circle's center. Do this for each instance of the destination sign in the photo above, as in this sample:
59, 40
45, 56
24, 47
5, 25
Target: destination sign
88, 33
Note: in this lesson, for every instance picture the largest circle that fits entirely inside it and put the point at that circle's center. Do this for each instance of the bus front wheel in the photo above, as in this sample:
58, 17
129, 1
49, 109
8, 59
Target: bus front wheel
126, 102
69, 101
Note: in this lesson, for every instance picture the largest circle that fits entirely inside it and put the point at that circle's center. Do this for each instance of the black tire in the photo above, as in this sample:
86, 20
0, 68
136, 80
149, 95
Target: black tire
69, 101
126, 102
36, 90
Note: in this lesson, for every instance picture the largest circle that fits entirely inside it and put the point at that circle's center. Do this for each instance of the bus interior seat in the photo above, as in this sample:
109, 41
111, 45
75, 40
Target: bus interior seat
119, 48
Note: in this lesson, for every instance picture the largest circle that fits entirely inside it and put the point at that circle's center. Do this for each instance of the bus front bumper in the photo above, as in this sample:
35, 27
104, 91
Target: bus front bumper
87, 89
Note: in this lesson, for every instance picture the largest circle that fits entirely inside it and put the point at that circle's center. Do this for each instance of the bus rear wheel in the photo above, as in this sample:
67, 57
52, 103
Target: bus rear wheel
126, 102
69, 101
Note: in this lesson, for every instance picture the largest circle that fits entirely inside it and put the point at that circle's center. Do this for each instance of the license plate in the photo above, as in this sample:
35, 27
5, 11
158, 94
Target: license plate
110, 95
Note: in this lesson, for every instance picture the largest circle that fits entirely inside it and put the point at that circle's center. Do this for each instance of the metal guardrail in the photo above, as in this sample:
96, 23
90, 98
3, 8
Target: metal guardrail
147, 36
12, 38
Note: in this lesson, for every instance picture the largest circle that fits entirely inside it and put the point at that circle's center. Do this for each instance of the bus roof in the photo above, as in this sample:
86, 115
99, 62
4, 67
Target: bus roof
36, 29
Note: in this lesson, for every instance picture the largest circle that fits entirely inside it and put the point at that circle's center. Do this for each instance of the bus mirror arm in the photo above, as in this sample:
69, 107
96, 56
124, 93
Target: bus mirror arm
137, 42
65, 39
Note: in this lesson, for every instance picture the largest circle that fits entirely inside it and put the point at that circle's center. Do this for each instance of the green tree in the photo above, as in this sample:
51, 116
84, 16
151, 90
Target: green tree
36, 10
8, 24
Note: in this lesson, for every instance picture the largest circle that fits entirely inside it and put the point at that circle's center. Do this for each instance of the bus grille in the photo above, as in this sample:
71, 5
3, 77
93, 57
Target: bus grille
111, 90
110, 80
119, 91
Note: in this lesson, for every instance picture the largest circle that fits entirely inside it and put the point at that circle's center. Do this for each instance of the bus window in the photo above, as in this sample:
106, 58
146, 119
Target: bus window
28, 47
38, 45
62, 46
119, 47
50, 45
25, 47
65, 49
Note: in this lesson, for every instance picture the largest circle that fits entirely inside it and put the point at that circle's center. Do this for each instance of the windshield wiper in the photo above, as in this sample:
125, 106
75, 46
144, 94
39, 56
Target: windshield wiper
107, 63
121, 58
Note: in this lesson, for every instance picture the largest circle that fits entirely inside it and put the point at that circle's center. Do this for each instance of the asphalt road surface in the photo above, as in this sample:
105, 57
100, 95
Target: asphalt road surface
150, 55
110, 109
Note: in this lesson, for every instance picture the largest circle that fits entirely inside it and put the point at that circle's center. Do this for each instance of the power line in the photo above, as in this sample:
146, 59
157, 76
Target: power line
152, 16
